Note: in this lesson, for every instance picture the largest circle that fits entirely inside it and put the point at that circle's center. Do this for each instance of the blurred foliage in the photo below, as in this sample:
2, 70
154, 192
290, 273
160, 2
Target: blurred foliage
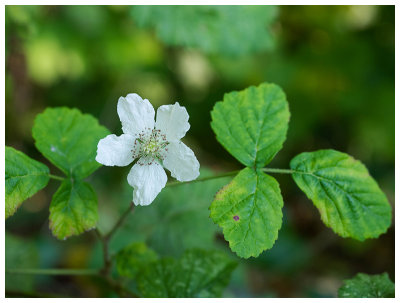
226, 30
20, 253
336, 66
132, 258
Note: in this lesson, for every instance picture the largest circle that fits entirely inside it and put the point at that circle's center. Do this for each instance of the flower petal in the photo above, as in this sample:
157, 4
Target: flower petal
147, 181
116, 151
181, 162
136, 114
172, 120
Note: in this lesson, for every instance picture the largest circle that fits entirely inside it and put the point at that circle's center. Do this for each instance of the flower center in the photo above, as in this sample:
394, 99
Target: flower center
152, 143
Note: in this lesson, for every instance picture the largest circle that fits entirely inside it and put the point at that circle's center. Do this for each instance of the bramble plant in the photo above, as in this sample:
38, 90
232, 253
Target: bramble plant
251, 125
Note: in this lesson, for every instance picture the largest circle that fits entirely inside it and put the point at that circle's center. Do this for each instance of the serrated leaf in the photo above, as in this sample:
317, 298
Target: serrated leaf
69, 140
24, 177
229, 30
249, 210
73, 209
131, 259
348, 198
252, 124
367, 286
198, 273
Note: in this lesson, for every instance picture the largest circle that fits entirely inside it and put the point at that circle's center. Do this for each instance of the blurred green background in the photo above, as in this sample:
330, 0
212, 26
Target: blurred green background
335, 63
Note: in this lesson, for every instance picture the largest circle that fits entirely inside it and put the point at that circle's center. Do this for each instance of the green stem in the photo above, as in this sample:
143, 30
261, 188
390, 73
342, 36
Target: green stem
234, 172
121, 220
279, 170
106, 270
173, 183
56, 177
54, 271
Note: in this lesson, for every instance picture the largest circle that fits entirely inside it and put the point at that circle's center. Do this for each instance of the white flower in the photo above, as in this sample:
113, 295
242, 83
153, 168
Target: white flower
153, 144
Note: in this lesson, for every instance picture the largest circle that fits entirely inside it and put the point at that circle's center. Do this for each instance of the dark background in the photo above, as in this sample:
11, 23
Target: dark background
336, 65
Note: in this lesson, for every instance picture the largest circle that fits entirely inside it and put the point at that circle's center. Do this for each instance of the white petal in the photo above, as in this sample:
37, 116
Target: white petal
147, 181
181, 162
172, 120
116, 151
136, 114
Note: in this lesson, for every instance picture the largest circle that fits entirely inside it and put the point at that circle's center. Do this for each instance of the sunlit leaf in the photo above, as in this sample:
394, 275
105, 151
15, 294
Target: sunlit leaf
252, 124
24, 177
69, 140
348, 198
73, 209
229, 30
367, 286
249, 210
198, 273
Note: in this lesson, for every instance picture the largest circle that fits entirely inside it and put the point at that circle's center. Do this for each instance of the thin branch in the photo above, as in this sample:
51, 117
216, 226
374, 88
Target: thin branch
106, 255
59, 178
231, 173
234, 172
105, 239
105, 272
120, 221
280, 170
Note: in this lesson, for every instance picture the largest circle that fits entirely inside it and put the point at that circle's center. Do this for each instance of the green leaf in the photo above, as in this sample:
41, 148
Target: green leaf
73, 209
69, 140
252, 124
228, 30
131, 259
367, 286
348, 198
198, 273
249, 210
24, 177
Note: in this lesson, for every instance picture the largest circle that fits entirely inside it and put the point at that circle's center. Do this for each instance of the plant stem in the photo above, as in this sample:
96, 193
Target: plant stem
105, 240
106, 255
105, 272
231, 173
121, 220
59, 178
54, 271
279, 170
234, 172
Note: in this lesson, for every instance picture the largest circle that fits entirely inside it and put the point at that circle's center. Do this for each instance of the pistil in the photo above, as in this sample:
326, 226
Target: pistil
149, 146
